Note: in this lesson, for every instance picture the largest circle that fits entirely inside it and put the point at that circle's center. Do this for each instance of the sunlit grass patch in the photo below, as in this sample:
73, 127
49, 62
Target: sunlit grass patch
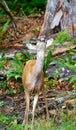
66, 124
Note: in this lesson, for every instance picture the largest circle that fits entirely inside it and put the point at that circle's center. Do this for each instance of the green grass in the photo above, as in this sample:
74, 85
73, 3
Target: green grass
40, 124
66, 125
62, 37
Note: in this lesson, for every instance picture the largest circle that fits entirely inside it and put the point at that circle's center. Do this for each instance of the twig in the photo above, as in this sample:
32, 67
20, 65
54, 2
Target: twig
6, 9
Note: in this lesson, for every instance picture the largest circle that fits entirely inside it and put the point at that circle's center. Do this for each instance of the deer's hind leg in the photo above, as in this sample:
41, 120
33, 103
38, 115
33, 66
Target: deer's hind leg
46, 104
26, 116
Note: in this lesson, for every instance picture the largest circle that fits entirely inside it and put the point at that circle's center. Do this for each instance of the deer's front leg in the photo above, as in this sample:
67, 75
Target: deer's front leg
27, 97
34, 108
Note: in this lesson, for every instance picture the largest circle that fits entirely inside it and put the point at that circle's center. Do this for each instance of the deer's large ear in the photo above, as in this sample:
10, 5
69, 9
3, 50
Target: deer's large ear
49, 42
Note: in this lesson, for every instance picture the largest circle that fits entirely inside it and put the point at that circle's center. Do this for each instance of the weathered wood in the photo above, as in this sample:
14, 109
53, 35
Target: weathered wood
61, 14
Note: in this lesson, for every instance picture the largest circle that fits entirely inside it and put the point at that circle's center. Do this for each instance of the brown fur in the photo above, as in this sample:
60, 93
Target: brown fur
26, 77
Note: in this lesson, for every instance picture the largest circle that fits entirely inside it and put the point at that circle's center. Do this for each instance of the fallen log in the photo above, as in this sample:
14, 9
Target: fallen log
55, 102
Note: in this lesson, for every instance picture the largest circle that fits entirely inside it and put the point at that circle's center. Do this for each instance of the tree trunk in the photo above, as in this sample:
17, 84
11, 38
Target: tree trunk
59, 15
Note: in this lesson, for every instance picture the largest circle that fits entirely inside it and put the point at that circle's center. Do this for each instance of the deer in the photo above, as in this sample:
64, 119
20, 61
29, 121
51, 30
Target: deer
33, 81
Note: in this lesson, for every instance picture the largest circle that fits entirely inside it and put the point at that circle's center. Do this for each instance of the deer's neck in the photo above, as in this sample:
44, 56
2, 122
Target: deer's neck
40, 60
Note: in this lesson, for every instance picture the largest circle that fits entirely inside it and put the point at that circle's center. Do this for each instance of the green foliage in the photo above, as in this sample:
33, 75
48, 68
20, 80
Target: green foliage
27, 6
10, 123
74, 86
3, 119
25, 56
10, 92
70, 63
53, 82
16, 66
73, 80
62, 37
1, 103
73, 41
62, 61
50, 125
15, 70
48, 58
5, 26
3, 84
16, 126
4, 23
19, 89
3, 61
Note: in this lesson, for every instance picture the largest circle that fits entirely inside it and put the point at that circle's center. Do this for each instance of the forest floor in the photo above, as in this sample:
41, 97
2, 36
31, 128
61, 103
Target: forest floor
28, 28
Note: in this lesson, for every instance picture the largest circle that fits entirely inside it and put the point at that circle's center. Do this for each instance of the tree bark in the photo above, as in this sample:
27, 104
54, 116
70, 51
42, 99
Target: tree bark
59, 15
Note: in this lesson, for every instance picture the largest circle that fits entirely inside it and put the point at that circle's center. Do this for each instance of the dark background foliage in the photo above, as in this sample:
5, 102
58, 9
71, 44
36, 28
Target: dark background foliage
27, 6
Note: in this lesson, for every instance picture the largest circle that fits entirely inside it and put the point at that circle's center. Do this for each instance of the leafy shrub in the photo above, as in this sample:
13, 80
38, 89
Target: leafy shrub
9, 123
70, 63
73, 41
1, 103
62, 37
66, 60
48, 58
16, 66
15, 70
10, 92
3, 85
